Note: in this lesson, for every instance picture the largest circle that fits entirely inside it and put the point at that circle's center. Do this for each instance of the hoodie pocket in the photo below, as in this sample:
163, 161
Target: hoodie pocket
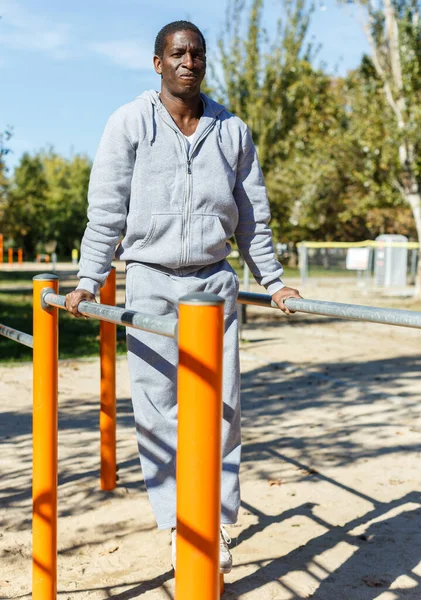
208, 239
162, 242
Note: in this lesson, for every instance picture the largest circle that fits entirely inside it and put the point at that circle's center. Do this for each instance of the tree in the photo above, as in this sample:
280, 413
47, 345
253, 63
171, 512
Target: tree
327, 145
393, 29
46, 202
25, 214
373, 165
66, 199
4, 151
291, 109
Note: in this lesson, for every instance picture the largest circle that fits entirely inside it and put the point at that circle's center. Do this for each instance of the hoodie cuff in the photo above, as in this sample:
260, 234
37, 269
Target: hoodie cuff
90, 285
275, 286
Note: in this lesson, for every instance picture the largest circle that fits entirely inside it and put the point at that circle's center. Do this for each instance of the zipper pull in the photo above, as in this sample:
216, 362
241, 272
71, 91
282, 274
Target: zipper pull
189, 167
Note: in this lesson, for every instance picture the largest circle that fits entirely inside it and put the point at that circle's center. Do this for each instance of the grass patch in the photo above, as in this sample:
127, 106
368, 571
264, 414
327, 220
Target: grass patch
78, 337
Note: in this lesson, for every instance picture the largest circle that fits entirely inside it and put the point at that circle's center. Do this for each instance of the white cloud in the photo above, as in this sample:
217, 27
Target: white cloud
19, 29
128, 54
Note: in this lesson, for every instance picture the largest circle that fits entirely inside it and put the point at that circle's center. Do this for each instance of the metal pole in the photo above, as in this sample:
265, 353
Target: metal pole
372, 314
163, 325
414, 254
44, 478
17, 336
367, 273
201, 331
303, 262
107, 416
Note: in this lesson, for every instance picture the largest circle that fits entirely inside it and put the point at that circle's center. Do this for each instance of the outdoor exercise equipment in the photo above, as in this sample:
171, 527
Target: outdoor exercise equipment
199, 331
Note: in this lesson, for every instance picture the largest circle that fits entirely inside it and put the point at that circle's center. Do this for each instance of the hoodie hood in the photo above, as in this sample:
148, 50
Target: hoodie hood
212, 108
211, 112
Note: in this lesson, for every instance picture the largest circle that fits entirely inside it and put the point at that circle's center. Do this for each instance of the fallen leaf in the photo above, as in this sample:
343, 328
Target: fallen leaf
109, 551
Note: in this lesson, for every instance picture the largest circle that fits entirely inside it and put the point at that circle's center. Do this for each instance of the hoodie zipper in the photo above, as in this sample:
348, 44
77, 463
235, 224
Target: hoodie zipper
186, 214
188, 197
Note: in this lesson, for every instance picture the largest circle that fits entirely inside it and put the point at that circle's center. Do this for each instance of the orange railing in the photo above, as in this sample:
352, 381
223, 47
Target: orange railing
200, 336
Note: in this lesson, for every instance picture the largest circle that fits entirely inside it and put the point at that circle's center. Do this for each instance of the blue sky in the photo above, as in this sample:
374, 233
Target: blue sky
66, 66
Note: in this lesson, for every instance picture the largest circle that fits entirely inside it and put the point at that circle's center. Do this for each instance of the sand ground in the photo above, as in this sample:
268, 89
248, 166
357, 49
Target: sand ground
331, 483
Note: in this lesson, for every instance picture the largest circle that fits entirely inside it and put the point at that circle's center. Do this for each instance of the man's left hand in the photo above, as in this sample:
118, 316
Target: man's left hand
280, 297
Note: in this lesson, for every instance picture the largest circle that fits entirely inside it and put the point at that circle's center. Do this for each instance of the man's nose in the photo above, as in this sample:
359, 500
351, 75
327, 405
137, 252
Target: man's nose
188, 60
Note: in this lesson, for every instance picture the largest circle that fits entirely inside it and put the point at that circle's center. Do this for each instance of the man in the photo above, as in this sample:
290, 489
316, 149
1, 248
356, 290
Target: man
178, 175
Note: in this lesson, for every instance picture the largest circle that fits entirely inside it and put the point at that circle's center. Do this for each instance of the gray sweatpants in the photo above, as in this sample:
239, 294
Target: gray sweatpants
153, 377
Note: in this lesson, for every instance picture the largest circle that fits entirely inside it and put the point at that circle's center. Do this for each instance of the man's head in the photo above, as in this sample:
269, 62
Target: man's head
180, 58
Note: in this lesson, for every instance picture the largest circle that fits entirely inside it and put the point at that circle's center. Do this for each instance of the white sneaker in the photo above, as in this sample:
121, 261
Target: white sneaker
225, 558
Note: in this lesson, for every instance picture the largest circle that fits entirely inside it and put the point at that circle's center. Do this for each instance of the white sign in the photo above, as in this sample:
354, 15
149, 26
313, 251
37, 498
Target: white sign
357, 259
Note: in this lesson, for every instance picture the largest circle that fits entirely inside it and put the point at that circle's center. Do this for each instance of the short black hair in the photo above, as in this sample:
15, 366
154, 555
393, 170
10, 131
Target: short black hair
173, 28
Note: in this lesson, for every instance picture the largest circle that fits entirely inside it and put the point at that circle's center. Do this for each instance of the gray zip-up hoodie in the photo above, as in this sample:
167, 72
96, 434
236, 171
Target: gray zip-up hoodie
176, 208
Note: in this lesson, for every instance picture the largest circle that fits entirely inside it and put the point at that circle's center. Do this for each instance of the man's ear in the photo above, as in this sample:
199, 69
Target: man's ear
157, 63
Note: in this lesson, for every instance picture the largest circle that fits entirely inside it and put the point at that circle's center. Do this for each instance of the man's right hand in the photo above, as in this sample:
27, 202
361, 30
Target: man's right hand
73, 299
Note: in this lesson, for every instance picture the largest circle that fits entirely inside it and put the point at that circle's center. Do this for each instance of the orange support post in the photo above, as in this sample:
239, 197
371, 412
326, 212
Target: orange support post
44, 461
20, 256
201, 330
10, 256
1, 247
107, 417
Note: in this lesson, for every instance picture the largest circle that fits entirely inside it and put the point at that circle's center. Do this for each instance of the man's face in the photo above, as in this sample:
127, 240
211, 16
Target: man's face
183, 64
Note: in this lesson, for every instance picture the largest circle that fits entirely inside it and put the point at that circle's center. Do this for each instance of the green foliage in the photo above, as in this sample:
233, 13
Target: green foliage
25, 214
4, 151
327, 145
45, 206
67, 186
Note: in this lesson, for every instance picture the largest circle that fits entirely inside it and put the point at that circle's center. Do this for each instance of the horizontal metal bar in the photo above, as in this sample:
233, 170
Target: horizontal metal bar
17, 336
120, 316
256, 299
373, 314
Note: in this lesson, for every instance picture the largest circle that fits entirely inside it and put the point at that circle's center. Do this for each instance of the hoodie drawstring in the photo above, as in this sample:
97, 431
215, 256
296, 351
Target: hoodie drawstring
153, 134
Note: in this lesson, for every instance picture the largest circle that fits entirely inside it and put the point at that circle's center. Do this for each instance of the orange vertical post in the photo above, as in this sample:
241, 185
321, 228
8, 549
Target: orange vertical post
44, 461
20, 256
10, 256
201, 331
107, 416
1, 247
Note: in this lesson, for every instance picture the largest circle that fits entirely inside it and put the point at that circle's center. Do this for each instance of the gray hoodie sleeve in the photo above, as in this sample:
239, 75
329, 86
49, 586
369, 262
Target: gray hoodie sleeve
108, 197
253, 234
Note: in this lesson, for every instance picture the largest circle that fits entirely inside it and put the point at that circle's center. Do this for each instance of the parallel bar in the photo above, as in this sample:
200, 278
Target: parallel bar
107, 415
44, 439
373, 314
199, 461
255, 299
17, 336
120, 316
